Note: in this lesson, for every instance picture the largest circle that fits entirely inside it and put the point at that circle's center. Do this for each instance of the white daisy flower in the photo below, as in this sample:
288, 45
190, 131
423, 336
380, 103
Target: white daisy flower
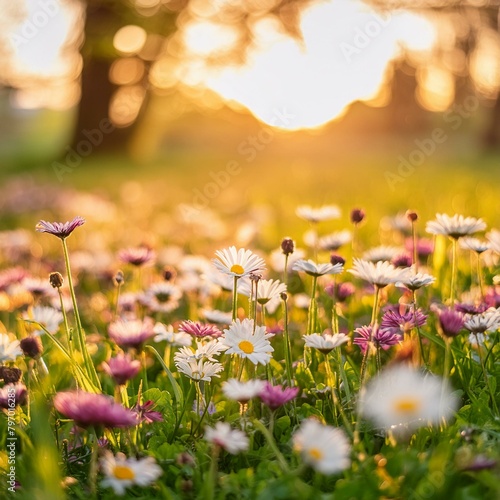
162, 297
242, 391
268, 293
474, 244
382, 252
204, 350
166, 332
325, 343
232, 440
488, 321
313, 214
49, 317
277, 259
402, 397
9, 349
379, 274
335, 240
494, 238
122, 472
455, 226
238, 263
417, 280
323, 447
310, 267
243, 341
198, 370
215, 316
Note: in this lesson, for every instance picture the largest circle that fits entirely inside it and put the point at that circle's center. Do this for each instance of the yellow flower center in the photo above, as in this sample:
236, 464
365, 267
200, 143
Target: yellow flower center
123, 472
315, 453
237, 269
406, 405
246, 346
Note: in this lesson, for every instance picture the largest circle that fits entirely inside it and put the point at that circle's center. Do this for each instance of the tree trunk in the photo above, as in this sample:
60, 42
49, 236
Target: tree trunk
93, 124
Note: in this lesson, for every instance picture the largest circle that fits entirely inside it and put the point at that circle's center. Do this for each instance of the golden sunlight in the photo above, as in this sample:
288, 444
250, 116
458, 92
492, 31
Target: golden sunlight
343, 58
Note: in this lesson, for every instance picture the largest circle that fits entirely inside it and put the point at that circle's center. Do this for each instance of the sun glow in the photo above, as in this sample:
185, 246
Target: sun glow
342, 58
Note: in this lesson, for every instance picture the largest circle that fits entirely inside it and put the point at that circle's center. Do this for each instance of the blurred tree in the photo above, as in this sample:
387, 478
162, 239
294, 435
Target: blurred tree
125, 39
467, 53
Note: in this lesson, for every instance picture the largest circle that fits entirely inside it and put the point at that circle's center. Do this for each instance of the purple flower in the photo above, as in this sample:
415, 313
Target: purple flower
492, 297
425, 247
12, 395
146, 414
451, 322
132, 333
201, 409
357, 215
137, 256
399, 322
276, 396
381, 338
197, 329
60, 229
480, 462
122, 368
88, 409
466, 308
403, 260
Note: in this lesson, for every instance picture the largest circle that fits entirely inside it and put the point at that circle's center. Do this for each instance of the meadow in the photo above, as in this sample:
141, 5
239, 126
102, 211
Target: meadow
275, 321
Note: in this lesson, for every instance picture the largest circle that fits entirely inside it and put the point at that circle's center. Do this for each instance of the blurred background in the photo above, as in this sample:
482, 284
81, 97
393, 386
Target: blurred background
218, 104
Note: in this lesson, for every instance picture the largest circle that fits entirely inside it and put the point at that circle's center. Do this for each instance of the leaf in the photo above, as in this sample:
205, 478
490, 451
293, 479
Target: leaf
179, 396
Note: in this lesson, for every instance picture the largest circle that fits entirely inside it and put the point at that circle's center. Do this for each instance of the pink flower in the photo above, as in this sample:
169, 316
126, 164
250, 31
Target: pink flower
276, 396
60, 229
12, 395
197, 329
122, 368
132, 333
88, 409
381, 338
146, 414
137, 256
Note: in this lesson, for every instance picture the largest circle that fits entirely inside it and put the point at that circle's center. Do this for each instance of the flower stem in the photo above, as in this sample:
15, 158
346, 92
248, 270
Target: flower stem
364, 362
235, 297
480, 276
313, 309
288, 349
414, 244
270, 441
89, 365
485, 376
453, 272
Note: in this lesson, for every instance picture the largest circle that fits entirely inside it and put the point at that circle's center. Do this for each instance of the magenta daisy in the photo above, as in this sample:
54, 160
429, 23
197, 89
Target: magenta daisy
402, 322
381, 338
132, 333
197, 329
122, 368
137, 256
276, 396
451, 322
60, 229
88, 409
